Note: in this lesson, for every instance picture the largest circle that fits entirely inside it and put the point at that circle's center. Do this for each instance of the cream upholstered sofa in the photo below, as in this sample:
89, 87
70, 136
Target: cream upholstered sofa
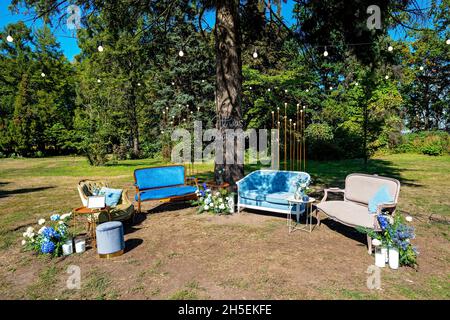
353, 210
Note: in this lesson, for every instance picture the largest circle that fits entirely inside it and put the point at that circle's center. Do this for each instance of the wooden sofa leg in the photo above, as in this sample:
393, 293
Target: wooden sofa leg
139, 206
369, 244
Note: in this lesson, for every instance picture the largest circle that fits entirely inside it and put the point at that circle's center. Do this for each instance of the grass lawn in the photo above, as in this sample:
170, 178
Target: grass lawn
177, 254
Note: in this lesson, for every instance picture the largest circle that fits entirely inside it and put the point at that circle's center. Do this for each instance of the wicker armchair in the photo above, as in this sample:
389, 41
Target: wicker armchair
123, 211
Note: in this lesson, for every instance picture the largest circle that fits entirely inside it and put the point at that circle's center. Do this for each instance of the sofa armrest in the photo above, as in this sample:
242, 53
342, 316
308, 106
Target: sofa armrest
193, 179
389, 206
331, 190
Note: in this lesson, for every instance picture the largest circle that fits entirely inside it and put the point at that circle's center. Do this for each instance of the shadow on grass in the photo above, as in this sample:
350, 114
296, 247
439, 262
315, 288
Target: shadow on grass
346, 231
7, 193
131, 244
333, 173
169, 206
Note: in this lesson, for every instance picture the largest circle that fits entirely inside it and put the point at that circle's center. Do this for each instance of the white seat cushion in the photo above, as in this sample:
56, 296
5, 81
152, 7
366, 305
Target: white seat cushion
348, 213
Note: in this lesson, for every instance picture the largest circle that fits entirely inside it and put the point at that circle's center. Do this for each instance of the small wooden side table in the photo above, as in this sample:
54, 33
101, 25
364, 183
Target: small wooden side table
91, 220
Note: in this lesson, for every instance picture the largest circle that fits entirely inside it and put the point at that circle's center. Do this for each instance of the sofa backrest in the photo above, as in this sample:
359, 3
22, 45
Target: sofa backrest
362, 187
268, 181
156, 177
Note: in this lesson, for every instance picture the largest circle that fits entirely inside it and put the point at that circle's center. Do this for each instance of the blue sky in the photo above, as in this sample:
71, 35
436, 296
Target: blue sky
69, 43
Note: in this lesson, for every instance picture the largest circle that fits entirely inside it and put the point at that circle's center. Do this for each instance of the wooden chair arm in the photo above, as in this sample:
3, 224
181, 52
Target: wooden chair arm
194, 179
126, 196
332, 190
389, 206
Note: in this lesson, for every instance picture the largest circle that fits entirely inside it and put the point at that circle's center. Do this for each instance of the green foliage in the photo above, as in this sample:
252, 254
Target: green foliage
433, 143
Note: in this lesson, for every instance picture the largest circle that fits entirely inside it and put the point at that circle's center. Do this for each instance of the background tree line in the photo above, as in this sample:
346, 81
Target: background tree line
157, 72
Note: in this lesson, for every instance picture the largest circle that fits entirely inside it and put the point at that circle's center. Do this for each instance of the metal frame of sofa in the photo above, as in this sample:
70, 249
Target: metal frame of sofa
174, 198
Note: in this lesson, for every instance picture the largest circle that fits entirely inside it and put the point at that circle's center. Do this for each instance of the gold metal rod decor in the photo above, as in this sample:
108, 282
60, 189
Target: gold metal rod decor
290, 144
304, 139
285, 135
295, 147
296, 139
301, 139
278, 138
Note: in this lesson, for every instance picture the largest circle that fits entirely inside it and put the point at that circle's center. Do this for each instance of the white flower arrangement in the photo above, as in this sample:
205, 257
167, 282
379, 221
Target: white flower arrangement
50, 237
218, 202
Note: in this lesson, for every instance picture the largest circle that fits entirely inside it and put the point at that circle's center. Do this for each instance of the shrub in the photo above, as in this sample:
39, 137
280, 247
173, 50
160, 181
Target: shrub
433, 143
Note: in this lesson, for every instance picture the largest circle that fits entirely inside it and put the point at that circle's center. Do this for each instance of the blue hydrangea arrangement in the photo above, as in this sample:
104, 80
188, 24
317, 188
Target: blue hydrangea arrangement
50, 237
395, 233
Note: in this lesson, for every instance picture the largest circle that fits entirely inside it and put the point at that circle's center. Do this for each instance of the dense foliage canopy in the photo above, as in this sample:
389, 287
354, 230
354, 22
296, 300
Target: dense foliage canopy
157, 72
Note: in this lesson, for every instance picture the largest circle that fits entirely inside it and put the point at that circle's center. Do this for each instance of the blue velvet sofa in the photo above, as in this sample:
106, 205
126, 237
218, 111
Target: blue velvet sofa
269, 190
168, 183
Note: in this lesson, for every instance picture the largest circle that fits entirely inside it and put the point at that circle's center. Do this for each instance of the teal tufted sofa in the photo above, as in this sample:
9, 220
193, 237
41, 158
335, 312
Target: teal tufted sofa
269, 190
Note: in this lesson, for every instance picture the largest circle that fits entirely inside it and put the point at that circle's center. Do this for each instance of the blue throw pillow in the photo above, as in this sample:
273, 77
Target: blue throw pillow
381, 196
112, 196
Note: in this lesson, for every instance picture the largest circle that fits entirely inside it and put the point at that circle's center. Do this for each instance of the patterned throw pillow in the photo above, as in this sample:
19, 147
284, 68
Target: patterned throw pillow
112, 196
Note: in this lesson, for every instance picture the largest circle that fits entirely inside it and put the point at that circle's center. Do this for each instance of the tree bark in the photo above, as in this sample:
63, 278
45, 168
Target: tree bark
228, 82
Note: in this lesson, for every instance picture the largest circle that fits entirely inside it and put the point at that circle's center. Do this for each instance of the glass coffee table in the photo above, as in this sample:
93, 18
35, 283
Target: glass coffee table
308, 214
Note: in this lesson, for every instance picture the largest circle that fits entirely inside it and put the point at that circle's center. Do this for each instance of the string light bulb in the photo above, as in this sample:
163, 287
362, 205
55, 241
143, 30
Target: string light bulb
139, 84
173, 83
307, 90
43, 75
325, 53
9, 38
268, 89
285, 91
331, 88
250, 88
390, 48
448, 41
387, 77
255, 54
356, 83
181, 53
98, 80
421, 68
100, 48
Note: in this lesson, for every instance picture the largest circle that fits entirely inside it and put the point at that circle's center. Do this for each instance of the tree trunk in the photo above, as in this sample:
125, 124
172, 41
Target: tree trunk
228, 82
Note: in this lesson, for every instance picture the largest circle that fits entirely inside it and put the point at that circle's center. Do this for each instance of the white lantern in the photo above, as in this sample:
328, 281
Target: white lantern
393, 258
80, 245
9, 38
67, 248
